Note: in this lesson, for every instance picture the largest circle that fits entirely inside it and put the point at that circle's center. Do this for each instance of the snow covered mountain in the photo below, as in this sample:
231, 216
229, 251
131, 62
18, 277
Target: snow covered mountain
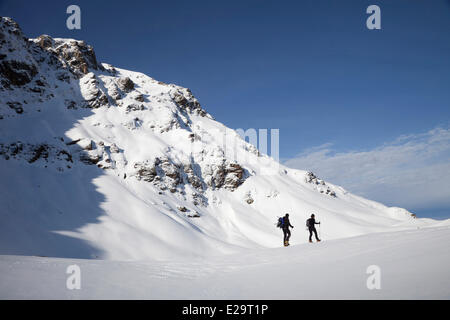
101, 162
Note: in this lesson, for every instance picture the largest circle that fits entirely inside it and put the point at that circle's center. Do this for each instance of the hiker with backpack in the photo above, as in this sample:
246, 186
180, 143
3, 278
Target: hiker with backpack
284, 224
311, 225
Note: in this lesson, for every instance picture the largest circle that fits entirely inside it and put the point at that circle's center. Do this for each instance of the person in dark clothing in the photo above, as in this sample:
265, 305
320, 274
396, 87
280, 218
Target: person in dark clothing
311, 223
285, 228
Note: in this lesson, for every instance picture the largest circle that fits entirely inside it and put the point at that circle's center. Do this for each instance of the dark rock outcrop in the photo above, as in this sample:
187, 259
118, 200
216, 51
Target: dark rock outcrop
323, 188
17, 73
185, 100
125, 84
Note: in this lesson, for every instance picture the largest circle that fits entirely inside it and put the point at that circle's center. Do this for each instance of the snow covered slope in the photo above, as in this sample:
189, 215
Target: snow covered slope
413, 265
100, 162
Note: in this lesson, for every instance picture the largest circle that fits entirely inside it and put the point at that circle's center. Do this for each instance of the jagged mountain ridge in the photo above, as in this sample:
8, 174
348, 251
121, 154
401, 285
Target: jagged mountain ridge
153, 160
46, 66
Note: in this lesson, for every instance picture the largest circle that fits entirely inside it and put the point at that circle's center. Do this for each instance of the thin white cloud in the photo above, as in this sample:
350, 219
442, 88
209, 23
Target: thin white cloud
413, 171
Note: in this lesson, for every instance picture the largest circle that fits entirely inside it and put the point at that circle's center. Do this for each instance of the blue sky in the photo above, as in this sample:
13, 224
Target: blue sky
310, 68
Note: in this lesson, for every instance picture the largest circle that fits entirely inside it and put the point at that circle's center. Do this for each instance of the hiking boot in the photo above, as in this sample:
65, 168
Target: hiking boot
310, 241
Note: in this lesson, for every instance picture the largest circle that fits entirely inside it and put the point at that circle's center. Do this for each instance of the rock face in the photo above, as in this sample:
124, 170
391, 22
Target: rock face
21, 59
169, 175
125, 84
17, 73
77, 56
186, 101
52, 75
319, 184
17, 65
35, 152
226, 175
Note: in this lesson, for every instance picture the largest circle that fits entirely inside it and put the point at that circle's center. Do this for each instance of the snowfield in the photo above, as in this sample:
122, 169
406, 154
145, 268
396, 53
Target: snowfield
414, 265
107, 164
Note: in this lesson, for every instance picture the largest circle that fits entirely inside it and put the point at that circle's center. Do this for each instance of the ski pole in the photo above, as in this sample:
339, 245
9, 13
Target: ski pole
320, 231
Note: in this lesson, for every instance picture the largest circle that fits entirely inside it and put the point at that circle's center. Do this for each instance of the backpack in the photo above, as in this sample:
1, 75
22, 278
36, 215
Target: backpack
280, 222
307, 223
